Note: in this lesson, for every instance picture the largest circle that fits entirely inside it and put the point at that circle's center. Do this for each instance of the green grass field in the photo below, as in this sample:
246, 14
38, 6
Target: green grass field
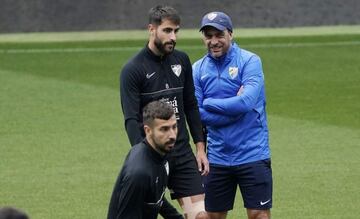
62, 140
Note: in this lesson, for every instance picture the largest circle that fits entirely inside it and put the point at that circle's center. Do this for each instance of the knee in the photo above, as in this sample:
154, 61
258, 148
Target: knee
259, 214
262, 217
194, 207
202, 215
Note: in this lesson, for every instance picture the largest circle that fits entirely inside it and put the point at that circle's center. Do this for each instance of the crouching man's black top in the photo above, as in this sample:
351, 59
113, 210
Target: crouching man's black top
140, 187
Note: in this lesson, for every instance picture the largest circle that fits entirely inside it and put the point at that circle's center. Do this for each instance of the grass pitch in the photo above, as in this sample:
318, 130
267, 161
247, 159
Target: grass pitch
62, 140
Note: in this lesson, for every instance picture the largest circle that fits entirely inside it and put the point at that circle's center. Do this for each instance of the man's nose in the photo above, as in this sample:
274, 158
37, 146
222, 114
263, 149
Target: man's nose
173, 36
213, 40
172, 134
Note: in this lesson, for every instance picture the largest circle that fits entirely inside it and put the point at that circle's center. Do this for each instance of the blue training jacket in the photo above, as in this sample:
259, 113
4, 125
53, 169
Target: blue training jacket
237, 125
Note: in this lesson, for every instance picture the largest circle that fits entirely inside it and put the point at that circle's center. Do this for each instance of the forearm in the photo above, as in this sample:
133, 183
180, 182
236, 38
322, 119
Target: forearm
216, 119
194, 122
229, 106
133, 131
200, 147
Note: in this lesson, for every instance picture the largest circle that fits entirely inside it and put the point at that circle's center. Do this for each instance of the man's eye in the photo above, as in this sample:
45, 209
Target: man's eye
164, 129
207, 36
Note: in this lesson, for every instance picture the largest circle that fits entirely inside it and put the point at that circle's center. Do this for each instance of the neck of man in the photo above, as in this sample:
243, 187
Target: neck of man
153, 145
154, 49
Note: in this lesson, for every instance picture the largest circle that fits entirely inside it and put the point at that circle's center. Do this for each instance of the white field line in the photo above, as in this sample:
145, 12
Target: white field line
123, 49
183, 34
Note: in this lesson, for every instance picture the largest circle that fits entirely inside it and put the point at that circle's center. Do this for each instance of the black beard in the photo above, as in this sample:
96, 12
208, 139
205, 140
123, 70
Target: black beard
162, 147
161, 47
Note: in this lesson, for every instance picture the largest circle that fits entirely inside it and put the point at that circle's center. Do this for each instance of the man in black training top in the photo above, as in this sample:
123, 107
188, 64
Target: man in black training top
140, 187
159, 72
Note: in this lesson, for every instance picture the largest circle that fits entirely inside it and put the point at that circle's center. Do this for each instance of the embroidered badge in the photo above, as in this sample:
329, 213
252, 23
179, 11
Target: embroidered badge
211, 16
233, 72
176, 69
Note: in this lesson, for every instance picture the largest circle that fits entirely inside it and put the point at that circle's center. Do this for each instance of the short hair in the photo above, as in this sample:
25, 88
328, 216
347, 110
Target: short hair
158, 13
12, 213
157, 110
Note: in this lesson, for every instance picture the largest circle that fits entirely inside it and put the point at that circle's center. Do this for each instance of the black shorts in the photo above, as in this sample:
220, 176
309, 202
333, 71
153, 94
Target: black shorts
254, 180
184, 177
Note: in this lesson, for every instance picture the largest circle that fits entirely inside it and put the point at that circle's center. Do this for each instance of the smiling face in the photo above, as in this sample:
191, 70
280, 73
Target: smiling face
161, 134
218, 42
163, 37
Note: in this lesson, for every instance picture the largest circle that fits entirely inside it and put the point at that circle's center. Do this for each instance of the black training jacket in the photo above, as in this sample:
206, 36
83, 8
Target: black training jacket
139, 189
147, 77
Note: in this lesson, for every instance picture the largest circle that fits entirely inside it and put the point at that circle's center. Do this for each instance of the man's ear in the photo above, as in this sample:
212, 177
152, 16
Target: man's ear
231, 35
147, 130
151, 29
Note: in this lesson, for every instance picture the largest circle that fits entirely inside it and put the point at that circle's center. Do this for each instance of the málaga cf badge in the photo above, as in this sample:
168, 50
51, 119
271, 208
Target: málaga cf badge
176, 69
233, 72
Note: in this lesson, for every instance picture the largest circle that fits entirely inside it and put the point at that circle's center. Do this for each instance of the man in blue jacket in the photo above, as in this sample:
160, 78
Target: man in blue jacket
229, 87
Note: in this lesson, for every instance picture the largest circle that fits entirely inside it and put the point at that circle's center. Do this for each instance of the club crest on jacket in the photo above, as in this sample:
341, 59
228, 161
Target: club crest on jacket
233, 72
176, 69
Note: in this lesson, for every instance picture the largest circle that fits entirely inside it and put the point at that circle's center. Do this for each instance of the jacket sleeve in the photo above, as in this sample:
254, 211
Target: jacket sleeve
168, 211
208, 118
128, 198
215, 119
130, 103
190, 104
253, 82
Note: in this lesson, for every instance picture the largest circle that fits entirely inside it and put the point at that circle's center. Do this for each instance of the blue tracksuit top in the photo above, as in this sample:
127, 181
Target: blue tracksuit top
237, 125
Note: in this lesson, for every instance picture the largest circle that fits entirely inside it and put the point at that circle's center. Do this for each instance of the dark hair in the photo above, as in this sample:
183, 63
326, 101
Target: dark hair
12, 213
158, 13
157, 110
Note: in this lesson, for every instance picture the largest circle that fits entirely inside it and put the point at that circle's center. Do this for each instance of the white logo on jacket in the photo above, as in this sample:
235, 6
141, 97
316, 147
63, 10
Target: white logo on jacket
233, 72
211, 16
148, 75
176, 69
167, 168
204, 76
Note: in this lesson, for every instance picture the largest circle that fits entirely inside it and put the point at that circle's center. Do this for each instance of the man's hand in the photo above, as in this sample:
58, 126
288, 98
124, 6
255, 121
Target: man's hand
201, 158
240, 91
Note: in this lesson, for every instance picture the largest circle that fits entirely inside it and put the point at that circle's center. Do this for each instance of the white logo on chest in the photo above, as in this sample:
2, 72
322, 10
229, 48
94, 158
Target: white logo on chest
167, 167
204, 76
233, 72
150, 75
176, 69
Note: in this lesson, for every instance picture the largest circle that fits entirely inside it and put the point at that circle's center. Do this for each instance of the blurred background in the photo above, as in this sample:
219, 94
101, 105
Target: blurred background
62, 136
89, 15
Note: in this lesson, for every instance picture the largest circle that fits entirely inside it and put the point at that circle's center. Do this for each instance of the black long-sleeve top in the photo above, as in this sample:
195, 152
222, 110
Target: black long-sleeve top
139, 189
148, 77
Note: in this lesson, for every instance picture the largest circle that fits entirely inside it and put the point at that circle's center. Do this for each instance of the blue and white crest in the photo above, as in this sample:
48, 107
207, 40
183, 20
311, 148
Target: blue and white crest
233, 72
